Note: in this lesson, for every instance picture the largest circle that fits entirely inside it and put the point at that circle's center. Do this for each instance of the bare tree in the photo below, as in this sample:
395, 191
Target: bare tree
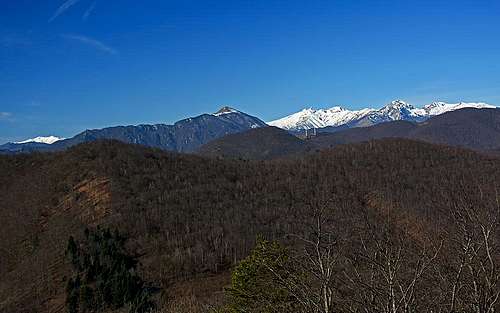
319, 259
387, 269
475, 280
310, 276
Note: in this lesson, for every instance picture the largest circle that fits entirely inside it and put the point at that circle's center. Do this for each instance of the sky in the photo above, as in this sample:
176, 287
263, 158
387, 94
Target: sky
71, 65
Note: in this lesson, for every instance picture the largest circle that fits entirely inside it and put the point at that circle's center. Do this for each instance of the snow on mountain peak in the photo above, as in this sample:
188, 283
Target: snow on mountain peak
225, 110
47, 140
399, 104
436, 108
395, 110
399, 110
319, 118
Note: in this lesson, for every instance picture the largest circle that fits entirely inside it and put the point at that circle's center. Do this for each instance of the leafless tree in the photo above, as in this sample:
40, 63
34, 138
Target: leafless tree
310, 274
475, 280
385, 272
319, 260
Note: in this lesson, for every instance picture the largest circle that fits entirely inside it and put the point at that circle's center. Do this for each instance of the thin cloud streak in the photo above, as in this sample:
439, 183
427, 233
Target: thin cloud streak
89, 11
63, 8
5, 115
92, 43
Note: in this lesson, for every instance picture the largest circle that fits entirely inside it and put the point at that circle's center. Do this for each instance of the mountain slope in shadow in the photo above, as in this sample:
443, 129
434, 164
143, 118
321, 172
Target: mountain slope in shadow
257, 144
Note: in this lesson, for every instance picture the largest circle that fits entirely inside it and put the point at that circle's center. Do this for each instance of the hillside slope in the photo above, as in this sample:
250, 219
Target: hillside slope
191, 218
256, 144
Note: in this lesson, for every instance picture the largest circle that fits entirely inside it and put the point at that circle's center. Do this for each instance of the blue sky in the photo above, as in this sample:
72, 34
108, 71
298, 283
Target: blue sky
66, 66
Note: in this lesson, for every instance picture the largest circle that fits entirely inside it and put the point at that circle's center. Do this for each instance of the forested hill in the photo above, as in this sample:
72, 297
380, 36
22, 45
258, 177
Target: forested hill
262, 143
189, 219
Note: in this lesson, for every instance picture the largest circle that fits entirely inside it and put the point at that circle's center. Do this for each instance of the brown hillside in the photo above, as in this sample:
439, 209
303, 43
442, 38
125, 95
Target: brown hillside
191, 218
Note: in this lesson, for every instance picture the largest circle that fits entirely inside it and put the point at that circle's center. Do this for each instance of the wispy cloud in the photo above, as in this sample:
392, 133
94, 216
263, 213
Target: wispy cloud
5, 115
89, 11
92, 43
63, 8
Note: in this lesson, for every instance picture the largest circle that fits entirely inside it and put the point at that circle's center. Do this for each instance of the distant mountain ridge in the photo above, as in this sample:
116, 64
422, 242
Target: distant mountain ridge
477, 129
188, 135
47, 140
338, 117
183, 136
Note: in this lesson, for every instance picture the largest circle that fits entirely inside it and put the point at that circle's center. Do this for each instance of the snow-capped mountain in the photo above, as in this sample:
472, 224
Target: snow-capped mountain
234, 116
47, 140
183, 136
312, 118
437, 108
396, 110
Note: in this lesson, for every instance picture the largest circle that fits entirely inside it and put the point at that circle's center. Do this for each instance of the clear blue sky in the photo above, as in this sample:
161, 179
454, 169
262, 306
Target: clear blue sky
70, 65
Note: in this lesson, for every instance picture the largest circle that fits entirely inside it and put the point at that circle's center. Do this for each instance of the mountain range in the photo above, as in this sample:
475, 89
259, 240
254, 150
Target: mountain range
190, 134
397, 110
476, 129
183, 136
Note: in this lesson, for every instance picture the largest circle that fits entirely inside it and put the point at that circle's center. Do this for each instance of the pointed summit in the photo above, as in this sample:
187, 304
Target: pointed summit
225, 110
398, 110
398, 105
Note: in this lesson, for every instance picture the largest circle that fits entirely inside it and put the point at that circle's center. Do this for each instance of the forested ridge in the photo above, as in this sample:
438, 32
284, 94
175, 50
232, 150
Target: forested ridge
190, 220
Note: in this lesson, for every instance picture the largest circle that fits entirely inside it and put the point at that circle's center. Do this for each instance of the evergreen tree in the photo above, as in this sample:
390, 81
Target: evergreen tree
109, 275
257, 283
